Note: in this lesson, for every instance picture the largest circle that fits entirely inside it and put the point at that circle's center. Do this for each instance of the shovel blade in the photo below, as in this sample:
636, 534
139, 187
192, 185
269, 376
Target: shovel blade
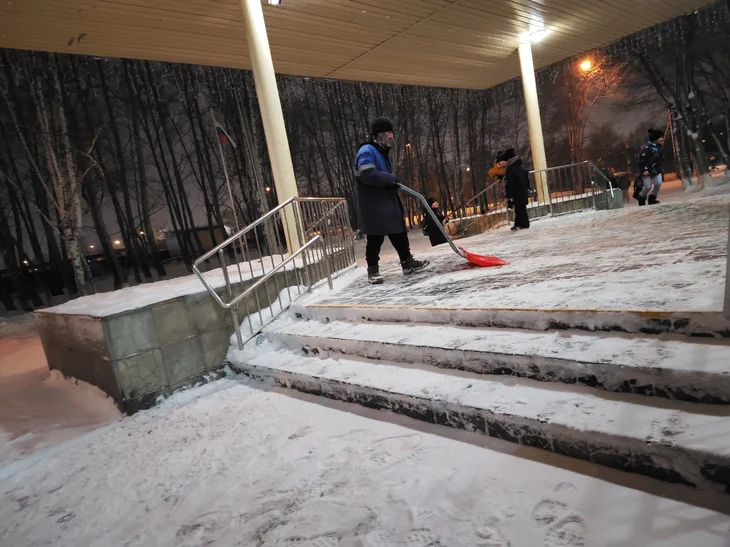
483, 261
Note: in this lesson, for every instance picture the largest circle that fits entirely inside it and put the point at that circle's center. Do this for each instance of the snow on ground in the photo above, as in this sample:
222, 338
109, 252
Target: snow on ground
670, 257
101, 305
39, 408
229, 464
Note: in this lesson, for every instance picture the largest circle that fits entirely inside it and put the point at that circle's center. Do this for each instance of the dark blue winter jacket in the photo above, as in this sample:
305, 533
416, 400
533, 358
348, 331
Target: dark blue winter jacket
651, 158
379, 209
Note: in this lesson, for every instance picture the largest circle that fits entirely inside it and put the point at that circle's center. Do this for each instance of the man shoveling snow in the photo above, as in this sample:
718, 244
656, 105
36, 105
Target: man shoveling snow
379, 209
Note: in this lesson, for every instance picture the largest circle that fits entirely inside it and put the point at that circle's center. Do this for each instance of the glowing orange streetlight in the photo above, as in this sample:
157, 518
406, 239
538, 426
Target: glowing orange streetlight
586, 65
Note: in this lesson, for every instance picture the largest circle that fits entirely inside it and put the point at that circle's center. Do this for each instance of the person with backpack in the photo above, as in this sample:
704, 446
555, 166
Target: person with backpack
379, 209
433, 230
650, 167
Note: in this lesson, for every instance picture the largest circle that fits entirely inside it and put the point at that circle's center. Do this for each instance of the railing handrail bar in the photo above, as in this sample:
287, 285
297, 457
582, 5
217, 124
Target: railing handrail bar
240, 233
307, 198
589, 162
228, 305
478, 195
560, 167
324, 217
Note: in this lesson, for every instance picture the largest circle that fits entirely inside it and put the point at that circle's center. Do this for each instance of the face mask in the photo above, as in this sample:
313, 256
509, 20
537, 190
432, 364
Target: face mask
386, 141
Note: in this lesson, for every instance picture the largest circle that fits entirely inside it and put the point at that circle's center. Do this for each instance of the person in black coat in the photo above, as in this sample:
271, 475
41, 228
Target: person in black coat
650, 166
517, 189
433, 231
379, 209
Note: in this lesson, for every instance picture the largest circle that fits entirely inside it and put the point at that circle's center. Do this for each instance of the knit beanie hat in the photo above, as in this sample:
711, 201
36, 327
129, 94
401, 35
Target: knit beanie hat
508, 154
655, 134
381, 125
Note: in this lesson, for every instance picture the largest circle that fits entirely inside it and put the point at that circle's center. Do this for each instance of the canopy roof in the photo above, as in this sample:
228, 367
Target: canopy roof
449, 43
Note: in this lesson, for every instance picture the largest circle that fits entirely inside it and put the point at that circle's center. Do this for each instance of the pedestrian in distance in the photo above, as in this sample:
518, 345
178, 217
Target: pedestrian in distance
434, 230
650, 162
517, 189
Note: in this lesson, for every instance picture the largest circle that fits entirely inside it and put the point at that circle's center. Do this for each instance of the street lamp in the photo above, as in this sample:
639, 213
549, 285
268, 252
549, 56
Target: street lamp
586, 65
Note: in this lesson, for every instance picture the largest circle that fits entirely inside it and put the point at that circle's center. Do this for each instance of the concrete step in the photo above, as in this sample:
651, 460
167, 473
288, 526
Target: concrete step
674, 445
694, 324
683, 370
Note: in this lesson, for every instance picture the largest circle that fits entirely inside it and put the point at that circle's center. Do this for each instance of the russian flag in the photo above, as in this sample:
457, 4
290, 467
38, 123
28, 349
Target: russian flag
223, 136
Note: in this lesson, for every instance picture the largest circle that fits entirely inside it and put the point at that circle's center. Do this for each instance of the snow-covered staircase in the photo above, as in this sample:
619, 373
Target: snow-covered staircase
659, 407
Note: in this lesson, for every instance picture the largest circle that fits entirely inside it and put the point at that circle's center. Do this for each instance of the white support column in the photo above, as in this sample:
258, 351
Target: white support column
271, 113
534, 125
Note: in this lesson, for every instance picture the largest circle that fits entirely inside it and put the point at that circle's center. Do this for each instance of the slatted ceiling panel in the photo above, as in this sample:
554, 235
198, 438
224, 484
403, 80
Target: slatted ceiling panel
452, 43
344, 33
101, 21
409, 8
351, 12
337, 21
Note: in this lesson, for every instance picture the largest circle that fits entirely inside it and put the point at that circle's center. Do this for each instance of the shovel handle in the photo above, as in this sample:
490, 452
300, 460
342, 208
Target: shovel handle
433, 217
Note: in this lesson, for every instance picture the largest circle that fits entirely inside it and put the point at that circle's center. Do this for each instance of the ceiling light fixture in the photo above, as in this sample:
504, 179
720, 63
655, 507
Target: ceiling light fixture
535, 34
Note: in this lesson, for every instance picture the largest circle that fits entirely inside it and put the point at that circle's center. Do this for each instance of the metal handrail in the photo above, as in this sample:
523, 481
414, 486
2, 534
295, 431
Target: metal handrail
282, 264
464, 206
241, 233
464, 227
586, 162
326, 263
325, 217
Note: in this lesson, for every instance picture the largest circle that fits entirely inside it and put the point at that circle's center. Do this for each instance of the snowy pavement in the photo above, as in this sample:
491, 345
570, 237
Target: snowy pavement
38, 408
664, 258
229, 464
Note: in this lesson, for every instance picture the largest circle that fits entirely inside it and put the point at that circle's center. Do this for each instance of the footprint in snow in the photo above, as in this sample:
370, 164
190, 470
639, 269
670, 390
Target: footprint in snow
416, 537
565, 529
328, 540
548, 511
567, 532
493, 534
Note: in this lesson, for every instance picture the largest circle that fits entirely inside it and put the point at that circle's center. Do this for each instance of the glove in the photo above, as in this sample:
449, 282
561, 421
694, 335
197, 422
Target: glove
510, 204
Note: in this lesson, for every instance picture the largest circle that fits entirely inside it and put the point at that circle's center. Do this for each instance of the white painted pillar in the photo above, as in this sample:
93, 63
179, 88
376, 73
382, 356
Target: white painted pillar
271, 113
534, 125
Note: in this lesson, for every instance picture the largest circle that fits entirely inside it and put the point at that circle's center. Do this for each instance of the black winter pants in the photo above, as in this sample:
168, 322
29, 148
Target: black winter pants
522, 220
399, 241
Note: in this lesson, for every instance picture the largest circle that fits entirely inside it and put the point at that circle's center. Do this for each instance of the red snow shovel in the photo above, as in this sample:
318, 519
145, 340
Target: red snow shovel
478, 260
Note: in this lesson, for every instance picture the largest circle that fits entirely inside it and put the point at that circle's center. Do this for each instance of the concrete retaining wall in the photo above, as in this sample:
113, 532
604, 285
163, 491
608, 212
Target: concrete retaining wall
139, 355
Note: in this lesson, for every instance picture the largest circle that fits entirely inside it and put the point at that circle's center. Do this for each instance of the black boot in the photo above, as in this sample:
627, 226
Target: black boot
374, 277
653, 200
411, 265
641, 201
